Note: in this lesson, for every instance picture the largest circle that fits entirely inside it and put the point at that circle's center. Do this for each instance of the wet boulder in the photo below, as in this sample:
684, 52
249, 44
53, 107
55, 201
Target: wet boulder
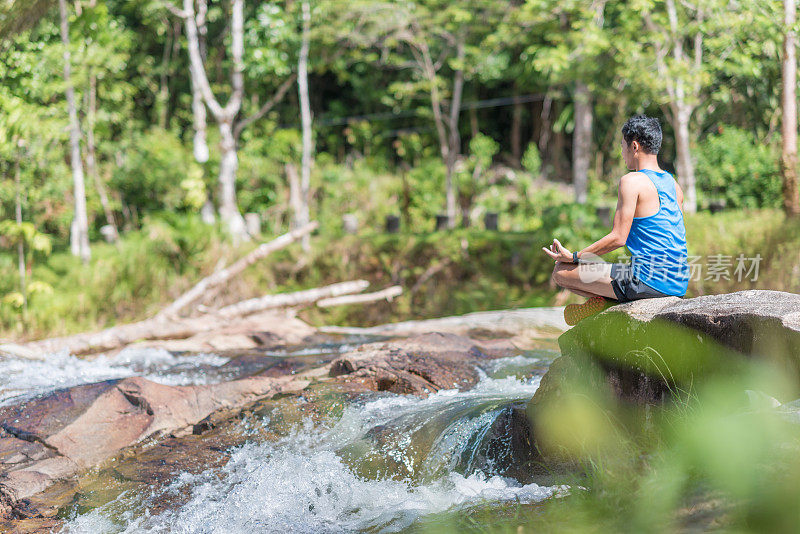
55, 436
652, 351
418, 365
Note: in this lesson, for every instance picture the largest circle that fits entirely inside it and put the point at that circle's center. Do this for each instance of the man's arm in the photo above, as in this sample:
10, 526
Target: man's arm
679, 194
627, 198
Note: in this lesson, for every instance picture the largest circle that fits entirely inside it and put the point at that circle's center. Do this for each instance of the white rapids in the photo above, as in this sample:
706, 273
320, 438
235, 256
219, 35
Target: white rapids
302, 483
23, 378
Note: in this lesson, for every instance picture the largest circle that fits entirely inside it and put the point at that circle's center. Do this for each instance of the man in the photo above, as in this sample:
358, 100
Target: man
648, 220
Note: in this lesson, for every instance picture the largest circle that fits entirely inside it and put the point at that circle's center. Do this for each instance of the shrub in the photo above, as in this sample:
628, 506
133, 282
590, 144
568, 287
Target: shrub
531, 160
734, 166
155, 167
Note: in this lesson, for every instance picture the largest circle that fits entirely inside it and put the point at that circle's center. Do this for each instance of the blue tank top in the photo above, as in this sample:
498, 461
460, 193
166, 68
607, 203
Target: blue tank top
658, 243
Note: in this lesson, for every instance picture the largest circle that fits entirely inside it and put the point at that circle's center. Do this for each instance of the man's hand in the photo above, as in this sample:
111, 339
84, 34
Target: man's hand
558, 252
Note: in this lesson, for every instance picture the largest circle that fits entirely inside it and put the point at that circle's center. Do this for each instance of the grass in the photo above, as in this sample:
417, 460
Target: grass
442, 273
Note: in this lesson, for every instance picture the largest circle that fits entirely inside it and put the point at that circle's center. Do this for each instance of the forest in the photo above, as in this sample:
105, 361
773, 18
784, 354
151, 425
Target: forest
283, 266
144, 142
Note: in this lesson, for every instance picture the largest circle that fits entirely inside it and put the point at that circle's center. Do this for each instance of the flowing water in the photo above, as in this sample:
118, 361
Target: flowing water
379, 465
23, 378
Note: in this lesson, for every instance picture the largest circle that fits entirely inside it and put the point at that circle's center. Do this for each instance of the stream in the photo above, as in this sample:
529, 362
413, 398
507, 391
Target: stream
380, 464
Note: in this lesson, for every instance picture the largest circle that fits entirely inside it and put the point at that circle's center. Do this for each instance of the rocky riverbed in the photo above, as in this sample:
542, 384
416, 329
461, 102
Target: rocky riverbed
135, 420
282, 427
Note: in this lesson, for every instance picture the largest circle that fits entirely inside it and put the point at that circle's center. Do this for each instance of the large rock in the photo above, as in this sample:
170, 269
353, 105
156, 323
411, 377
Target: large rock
647, 348
418, 365
59, 434
651, 351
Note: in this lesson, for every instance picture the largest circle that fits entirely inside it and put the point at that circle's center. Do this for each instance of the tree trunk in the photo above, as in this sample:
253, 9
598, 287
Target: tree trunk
200, 142
682, 113
176, 328
685, 165
384, 294
474, 128
91, 160
791, 201
295, 202
163, 85
23, 284
247, 307
516, 132
302, 216
425, 63
454, 139
581, 141
228, 209
79, 231
545, 131
222, 276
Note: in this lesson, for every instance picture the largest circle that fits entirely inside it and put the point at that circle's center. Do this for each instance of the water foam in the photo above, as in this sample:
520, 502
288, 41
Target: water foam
301, 484
21, 378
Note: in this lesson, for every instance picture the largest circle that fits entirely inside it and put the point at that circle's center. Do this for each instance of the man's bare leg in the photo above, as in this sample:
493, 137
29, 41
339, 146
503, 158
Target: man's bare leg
588, 280
581, 293
592, 281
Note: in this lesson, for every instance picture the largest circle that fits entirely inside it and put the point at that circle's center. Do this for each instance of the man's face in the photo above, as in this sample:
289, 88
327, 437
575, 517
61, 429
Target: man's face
627, 154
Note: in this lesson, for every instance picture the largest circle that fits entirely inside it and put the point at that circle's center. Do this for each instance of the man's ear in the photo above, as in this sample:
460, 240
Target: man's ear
635, 147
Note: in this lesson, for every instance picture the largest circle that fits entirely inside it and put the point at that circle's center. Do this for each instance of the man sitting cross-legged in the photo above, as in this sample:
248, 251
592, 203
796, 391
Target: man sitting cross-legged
648, 220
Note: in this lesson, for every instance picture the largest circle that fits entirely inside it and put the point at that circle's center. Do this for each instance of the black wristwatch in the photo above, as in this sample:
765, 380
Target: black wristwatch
575, 258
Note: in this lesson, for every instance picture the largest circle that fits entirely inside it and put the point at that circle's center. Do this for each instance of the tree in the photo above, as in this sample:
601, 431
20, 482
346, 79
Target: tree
226, 115
678, 41
99, 66
791, 201
568, 45
79, 233
440, 42
302, 216
199, 141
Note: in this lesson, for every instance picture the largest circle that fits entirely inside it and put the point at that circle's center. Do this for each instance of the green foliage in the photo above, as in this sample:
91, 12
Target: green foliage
531, 160
120, 284
154, 169
573, 223
482, 149
734, 166
13, 233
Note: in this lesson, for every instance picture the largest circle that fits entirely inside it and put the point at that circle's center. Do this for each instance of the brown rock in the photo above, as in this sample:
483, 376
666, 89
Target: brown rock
57, 435
419, 365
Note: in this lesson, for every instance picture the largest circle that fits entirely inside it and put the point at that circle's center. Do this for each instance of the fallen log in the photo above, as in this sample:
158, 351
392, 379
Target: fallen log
293, 299
114, 337
389, 293
173, 328
540, 321
222, 276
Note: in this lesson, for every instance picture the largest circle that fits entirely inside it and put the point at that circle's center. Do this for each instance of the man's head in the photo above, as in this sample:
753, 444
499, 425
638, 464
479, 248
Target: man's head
641, 136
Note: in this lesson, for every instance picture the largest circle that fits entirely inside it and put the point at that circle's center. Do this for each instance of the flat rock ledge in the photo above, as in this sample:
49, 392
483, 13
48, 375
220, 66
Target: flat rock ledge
61, 434
647, 347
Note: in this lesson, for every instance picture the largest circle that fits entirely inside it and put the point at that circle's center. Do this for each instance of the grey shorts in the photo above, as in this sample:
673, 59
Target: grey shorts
627, 287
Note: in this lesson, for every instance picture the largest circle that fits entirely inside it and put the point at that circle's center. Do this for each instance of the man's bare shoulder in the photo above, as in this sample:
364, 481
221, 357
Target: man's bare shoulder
632, 180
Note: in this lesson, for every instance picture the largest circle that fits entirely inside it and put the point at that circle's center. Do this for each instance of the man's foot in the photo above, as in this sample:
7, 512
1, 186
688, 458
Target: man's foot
574, 313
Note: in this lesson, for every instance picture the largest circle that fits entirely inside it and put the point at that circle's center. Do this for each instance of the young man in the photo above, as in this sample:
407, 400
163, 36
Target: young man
648, 220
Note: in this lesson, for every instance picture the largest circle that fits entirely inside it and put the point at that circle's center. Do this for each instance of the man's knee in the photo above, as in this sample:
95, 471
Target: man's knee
559, 276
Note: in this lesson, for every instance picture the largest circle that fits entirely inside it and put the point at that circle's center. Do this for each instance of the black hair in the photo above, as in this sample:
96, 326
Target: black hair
646, 130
